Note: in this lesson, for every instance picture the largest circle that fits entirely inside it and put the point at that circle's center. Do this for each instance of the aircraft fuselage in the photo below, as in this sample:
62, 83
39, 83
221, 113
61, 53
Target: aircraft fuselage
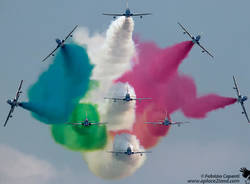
242, 99
127, 13
12, 102
59, 42
129, 151
167, 122
127, 98
196, 39
86, 123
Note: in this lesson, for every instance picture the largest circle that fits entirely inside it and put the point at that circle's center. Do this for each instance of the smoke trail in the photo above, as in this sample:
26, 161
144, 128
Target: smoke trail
54, 96
109, 166
120, 114
78, 138
122, 142
111, 55
169, 90
198, 107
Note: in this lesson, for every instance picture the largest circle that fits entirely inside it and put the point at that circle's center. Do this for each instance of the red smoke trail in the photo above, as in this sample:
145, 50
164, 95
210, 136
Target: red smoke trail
155, 75
197, 108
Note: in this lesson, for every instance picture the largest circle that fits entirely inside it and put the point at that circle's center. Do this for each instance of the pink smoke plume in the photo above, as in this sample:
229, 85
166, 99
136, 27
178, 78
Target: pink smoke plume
155, 75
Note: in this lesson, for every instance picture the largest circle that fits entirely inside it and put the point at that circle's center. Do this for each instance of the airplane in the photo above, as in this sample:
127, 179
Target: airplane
127, 98
87, 123
60, 43
241, 99
166, 122
13, 103
195, 40
127, 14
129, 152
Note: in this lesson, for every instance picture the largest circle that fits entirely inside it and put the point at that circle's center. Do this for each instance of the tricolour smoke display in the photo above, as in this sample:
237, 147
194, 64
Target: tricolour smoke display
69, 91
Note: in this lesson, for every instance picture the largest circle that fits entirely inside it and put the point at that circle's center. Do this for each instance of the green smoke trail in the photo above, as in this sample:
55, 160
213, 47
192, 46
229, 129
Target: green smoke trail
58, 90
80, 138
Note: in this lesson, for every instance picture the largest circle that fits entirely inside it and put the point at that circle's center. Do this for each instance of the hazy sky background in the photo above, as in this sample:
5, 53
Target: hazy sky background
217, 144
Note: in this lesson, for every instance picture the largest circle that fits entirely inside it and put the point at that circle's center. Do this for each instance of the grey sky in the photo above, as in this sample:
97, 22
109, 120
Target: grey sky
219, 143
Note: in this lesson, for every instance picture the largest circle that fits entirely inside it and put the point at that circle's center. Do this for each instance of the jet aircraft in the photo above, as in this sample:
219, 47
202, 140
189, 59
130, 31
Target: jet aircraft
195, 40
87, 123
127, 14
14, 103
60, 43
127, 98
129, 152
167, 122
241, 99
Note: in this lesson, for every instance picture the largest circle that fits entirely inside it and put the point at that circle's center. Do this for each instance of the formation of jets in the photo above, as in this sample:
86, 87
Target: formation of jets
86, 123
13, 103
129, 152
60, 43
166, 122
127, 98
127, 14
241, 99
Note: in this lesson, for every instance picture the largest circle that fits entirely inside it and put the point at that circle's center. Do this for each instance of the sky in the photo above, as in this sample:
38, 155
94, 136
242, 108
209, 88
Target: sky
217, 144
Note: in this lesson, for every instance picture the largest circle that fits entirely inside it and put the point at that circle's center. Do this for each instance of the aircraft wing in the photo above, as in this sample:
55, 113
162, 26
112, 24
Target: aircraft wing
102, 123
74, 123
19, 90
142, 99
116, 152
115, 99
51, 53
236, 87
245, 112
98, 123
205, 50
179, 123
113, 14
141, 14
184, 29
70, 33
9, 115
154, 123
141, 152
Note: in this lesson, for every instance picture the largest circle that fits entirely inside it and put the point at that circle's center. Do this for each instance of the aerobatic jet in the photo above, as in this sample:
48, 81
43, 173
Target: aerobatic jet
127, 98
60, 43
129, 152
241, 99
195, 40
87, 123
167, 122
14, 103
127, 14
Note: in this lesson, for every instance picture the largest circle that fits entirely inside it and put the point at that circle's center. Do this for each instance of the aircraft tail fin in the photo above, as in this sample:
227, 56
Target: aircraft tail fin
127, 4
86, 114
167, 115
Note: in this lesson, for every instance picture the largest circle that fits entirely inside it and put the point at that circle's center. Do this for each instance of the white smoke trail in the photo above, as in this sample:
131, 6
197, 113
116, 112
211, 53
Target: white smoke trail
111, 166
111, 56
120, 114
